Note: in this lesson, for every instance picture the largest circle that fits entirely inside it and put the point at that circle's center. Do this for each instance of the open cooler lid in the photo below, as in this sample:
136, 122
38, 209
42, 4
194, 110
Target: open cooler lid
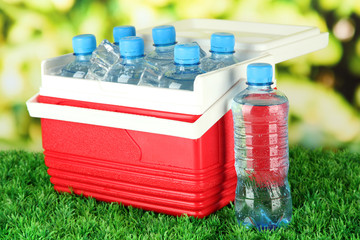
255, 42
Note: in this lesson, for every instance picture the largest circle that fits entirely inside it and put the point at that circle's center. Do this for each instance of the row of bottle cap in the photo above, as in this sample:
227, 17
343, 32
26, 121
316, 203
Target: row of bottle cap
162, 36
132, 46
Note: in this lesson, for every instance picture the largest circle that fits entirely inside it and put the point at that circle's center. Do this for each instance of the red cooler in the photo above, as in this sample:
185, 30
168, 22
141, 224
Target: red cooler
165, 150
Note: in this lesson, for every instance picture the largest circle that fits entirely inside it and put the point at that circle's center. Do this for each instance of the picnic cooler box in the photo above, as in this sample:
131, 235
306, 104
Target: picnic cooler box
164, 150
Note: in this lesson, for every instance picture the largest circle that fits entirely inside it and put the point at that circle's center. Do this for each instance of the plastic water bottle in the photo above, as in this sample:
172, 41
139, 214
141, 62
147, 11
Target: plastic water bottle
185, 68
107, 54
132, 65
83, 46
164, 38
260, 114
222, 52
123, 31
161, 58
202, 52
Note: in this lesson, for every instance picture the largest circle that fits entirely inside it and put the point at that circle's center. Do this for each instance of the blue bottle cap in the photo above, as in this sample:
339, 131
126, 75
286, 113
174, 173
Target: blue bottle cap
259, 74
84, 43
222, 42
164, 35
131, 46
187, 53
123, 31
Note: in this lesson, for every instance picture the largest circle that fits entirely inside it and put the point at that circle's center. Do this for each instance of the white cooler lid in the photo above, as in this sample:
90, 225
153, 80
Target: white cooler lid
257, 42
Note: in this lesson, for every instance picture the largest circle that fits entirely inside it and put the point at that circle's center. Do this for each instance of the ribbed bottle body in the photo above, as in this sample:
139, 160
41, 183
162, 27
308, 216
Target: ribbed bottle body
263, 198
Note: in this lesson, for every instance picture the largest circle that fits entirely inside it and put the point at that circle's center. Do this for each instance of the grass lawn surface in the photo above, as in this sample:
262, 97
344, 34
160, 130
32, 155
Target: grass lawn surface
325, 191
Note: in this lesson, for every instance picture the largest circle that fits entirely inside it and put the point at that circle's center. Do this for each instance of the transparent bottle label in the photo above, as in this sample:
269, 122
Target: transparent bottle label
79, 74
123, 78
174, 85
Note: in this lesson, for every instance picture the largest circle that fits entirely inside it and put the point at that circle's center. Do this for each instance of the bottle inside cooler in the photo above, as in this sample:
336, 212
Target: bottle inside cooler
83, 46
202, 52
161, 57
164, 38
123, 31
222, 52
185, 68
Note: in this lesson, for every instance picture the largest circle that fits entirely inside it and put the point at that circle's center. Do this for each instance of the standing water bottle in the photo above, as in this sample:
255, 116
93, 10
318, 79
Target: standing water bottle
83, 46
222, 52
260, 114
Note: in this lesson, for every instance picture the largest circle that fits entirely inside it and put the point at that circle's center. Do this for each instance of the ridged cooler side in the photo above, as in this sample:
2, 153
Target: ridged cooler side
203, 212
155, 172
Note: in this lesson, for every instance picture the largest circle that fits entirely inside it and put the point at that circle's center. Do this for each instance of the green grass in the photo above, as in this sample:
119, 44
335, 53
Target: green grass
325, 190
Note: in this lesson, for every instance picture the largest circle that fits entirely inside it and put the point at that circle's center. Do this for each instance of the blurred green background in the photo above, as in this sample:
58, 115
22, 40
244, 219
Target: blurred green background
323, 87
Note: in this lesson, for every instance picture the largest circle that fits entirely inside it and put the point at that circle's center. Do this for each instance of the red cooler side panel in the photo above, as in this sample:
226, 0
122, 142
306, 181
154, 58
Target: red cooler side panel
150, 171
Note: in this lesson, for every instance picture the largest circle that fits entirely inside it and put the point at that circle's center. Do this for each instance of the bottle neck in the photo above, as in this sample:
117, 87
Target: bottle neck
187, 67
260, 88
164, 48
132, 60
82, 57
217, 55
